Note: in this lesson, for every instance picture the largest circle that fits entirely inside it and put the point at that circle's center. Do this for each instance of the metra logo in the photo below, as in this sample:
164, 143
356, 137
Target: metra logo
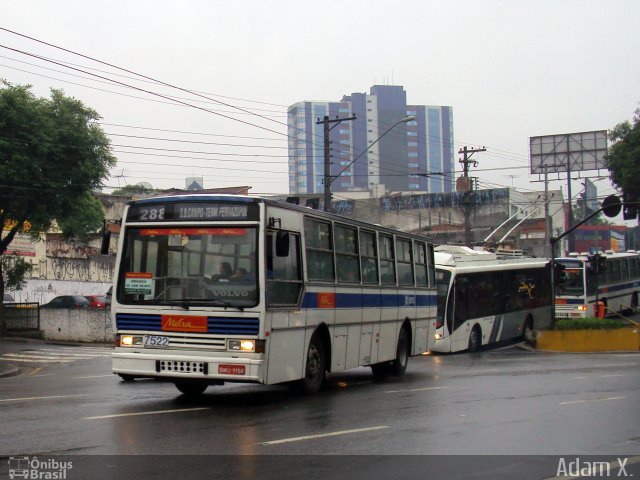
184, 323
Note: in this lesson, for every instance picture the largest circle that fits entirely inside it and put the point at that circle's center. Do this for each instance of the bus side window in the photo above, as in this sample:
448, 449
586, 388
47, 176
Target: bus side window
422, 278
319, 250
369, 257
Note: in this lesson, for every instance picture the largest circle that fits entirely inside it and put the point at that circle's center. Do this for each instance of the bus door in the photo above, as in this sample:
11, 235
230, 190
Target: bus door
460, 299
286, 321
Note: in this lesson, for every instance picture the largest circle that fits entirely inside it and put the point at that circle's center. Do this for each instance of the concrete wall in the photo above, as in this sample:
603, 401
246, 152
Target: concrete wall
81, 325
42, 291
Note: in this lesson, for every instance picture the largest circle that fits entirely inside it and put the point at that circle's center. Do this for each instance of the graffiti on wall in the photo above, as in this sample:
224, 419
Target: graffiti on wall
61, 249
92, 269
444, 200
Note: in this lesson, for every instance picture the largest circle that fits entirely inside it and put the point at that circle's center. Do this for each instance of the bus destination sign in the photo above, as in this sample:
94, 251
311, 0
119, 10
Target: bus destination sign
190, 211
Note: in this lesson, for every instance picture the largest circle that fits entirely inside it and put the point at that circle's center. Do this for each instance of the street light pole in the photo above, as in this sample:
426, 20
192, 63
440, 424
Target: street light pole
327, 157
328, 180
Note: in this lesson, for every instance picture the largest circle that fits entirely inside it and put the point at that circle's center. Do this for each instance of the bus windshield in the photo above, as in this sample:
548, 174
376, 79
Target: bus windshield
443, 278
574, 280
189, 266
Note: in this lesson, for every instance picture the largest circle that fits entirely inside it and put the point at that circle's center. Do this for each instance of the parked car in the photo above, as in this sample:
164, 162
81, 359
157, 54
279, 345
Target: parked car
7, 298
96, 301
68, 301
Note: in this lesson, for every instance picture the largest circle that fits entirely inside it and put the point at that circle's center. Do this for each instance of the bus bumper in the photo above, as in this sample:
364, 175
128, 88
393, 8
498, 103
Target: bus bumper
171, 367
442, 345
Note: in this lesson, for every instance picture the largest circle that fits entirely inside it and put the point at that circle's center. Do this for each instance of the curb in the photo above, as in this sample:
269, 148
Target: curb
589, 341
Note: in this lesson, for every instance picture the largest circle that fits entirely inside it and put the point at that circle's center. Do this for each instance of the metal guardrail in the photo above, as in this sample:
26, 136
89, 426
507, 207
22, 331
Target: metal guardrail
22, 317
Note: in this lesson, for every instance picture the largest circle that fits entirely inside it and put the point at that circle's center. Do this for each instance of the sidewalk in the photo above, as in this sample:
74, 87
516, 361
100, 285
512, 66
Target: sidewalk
11, 371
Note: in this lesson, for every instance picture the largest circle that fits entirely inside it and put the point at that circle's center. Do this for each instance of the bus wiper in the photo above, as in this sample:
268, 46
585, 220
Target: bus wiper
225, 303
193, 302
181, 302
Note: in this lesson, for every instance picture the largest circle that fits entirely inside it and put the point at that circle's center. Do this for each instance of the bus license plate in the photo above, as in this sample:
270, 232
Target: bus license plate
156, 341
231, 369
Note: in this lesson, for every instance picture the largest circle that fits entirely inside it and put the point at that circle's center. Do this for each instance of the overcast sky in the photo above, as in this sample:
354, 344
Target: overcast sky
509, 69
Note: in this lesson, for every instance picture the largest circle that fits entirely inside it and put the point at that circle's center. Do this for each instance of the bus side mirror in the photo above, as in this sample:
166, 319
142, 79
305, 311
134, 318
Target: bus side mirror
282, 244
106, 239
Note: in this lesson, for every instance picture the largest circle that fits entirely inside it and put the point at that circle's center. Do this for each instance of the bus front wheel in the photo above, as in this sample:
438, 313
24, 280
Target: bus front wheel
474, 339
314, 370
191, 389
527, 331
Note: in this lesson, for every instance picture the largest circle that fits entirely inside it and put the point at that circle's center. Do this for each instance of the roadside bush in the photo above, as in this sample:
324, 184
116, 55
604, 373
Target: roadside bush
588, 324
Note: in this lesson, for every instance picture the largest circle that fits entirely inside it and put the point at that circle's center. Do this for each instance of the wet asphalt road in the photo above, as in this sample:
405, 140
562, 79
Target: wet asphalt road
510, 401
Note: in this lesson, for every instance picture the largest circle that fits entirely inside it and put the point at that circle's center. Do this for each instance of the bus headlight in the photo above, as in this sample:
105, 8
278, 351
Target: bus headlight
438, 336
246, 345
129, 340
582, 308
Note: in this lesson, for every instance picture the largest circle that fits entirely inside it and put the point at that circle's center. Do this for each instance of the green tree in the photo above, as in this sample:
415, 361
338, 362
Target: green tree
52, 155
624, 157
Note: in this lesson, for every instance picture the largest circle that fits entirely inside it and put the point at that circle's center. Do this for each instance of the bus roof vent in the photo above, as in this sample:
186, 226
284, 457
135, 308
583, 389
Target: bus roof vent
584, 254
609, 252
631, 251
573, 254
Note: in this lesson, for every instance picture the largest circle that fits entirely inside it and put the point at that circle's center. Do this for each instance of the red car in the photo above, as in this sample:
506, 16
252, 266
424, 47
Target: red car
96, 301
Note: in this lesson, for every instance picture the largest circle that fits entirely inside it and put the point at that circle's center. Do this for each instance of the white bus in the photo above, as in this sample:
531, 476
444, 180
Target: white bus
617, 287
484, 299
213, 289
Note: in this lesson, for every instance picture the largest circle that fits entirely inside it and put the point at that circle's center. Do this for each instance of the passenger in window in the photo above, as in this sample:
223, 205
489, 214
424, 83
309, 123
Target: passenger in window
225, 272
241, 275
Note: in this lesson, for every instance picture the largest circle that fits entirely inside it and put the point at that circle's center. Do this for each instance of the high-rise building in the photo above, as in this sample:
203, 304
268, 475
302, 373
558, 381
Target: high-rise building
390, 157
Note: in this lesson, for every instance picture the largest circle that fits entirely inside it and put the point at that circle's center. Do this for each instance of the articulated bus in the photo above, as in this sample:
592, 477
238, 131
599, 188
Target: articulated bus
218, 288
617, 287
484, 299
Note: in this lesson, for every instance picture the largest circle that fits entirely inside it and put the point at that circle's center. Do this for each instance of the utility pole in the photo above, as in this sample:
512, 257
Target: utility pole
327, 157
466, 205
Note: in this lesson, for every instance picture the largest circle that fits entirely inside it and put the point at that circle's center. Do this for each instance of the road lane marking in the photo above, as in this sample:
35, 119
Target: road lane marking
156, 412
25, 399
607, 365
97, 376
31, 360
591, 400
323, 435
415, 390
601, 376
65, 354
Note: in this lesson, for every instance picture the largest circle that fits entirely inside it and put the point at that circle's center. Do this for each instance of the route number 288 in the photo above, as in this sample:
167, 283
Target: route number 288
150, 214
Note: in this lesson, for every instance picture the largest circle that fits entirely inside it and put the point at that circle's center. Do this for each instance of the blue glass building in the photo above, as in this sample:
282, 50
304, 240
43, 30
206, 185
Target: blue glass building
416, 156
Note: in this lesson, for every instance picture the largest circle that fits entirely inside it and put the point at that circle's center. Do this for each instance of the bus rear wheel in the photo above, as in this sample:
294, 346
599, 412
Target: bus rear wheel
474, 339
398, 366
191, 389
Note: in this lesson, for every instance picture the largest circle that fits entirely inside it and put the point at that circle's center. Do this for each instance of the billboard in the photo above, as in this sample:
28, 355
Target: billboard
568, 152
